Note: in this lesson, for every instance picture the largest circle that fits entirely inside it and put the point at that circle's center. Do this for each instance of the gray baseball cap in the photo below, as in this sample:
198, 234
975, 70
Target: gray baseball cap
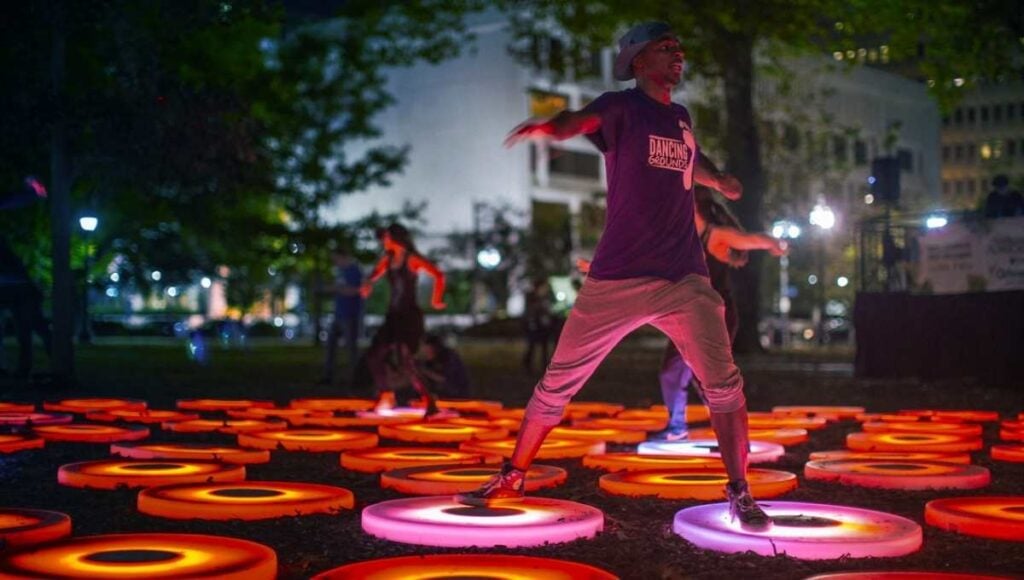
633, 42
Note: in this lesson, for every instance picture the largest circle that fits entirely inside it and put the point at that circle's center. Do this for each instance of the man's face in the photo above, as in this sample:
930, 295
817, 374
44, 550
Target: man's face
661, 61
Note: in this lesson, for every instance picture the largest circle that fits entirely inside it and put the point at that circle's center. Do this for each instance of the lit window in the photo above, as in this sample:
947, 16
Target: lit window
958, 82
838, 55
862, 53
851, 54
873, 55
545, 104
986, 151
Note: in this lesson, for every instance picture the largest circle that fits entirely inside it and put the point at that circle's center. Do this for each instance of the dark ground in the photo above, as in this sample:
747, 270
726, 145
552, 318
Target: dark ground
637, 541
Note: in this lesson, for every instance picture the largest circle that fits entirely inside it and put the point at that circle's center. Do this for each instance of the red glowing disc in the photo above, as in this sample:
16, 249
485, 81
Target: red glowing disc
953, 415
450, 479
912, 442
151, 556
586, 409
244, 500
145, 416
21, 528
221, 404
111, 474
385, 458
784, 437
1011, 430
965, 429
913, 475
825, 412
550, 449
891, 456
201, 451
903, 575
629, 424
470, 406
514, 414
635, 462
439, 433
86, 433
87, 405
998, 517
1012, 453
475, 566
701, 484
316, 440
15, 443
342, 422
887, 418
331, 405
509, 424
261, 413
794, 422
31, 419
231, 427
9, 407
606, 434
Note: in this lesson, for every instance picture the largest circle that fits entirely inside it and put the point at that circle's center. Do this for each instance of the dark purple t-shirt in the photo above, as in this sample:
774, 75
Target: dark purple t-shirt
649, 153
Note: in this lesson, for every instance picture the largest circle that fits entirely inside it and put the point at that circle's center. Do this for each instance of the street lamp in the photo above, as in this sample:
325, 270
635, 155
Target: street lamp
88, 223
784, 230
824, 218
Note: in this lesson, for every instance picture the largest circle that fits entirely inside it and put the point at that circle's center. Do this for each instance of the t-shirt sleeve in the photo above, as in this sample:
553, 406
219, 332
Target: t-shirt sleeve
609, 108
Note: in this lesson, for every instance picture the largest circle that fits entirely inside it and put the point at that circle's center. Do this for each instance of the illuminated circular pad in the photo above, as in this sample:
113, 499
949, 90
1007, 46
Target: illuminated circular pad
998, 517
636, 462
145, 416
891, 456
449, 479
628, 424
965, 429
94, 404
511, 425
22, 419
694, 413
550, 449
111, 474
806, 531
15, 443
151, 556
221, 404
439, 521
912, 442
606, 434
342, 422
261, 413
308, 440
20, 528
86, 433
468, 566
903, 575
9, 407
898, 474
1013, 453
953, 415
470, 405
702, 484
784, 437
586, 409
245, 500
333, 404
211, 452
440, 432
760, 451
385, 458
825, 412
232, 427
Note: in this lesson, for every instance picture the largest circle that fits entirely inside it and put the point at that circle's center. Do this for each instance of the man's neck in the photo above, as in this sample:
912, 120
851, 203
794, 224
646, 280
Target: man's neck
658, 91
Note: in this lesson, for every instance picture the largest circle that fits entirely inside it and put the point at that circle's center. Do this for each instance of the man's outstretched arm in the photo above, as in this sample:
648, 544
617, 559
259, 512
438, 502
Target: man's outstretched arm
707, 174
562, 126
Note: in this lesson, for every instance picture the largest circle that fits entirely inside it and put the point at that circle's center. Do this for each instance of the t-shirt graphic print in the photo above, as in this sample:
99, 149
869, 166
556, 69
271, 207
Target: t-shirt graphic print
673, 154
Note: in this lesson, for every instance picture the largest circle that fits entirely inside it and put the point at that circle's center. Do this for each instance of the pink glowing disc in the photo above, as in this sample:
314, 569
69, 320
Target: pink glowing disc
805, 531
29, 419
913, 475
903, 575
466, 566
760, 451
439, 521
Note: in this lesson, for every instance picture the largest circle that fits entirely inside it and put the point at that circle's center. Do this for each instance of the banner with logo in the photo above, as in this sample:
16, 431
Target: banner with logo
985, 256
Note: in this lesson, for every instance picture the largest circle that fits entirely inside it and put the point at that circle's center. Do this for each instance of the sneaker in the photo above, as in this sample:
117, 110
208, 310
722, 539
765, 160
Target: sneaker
505, 487
743, 507
671, 434
385, 402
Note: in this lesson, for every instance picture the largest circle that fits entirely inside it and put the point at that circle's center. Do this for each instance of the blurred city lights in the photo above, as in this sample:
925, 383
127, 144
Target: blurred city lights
869, 199
784, 229
489, 258
842, 281
933, 222
812, 279
206, 282
822, 216
156, 275
115, 277
172, 291
88, 223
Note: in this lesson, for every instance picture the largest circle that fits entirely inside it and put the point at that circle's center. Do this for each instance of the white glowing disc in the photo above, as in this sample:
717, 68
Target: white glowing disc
440, 521
806, 531
760, 451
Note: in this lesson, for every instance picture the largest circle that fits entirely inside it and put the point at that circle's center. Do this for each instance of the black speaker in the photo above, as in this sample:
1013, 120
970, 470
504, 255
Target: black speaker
885, 179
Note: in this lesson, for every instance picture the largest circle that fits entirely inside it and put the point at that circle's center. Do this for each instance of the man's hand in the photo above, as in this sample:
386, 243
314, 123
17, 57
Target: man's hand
730, 186
438, 304
530, 130
780, 248
365, 290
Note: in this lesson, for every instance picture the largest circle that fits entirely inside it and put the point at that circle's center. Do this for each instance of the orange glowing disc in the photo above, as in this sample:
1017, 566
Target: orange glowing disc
331, 405
551, 448
1011, 430
1012, 453
783, 437
342, 422
90, 433
150, 556
890, 456
201, 451
953, 415
30, 419
940, 442
694, 413
587, 409
511, 425
634, 424
21, 528
87, 405
825, 412
448, 479
702, 484
605, 434
260, 413
111, 473
887, 417
385, 458
999, 517
965, 429
221, 404
308, 440
15, 443
470, 405
244, 500
231, 426
145, 416
913, 475
795, 422
475, 566
8, 407
440, 432
635, 462
514, 414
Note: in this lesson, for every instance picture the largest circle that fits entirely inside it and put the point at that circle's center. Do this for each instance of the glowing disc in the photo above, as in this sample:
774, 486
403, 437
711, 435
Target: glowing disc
30, 419
145, 416
550, 449
262, 413
606, 434
760, 451
805, 531
628, 424
439, 521
111, 473
887, 417
245, 500
1011, 430
509, 424
915, 475
1013, 453
998, 517
470, 406
825, 412
341, 422
911, 442
439, 433
891, 456
9, 407
151, 556
514, 414
475, 566
702, 484
200, 451
903, 575
586, 409
416, 413
231, 427
635, 462
783, 437
953, 415
694, 413
221, 404
965, 429
450, 479
308, 440
385, 458
331, 405
90, 433
15, 443
795, 422
87, 405
21, 528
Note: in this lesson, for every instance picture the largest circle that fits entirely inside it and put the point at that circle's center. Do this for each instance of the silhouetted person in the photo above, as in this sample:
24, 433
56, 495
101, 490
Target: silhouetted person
538, 323
1003, 201
442, 369
348, 312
